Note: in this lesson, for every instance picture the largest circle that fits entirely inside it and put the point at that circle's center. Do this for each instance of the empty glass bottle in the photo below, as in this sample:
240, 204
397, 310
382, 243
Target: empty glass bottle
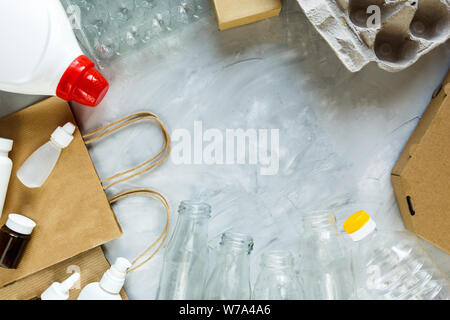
277, 279
230, 279
393, 265
325, 263
185, 262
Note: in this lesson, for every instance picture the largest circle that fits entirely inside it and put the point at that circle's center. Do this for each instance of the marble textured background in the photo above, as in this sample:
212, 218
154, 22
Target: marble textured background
340, 132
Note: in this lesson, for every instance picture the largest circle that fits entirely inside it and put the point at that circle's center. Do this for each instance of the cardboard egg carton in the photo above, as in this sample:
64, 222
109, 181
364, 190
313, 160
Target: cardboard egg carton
405, 30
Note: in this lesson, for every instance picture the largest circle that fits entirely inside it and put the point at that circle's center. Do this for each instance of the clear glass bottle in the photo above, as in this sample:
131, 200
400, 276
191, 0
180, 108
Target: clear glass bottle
277, 279
325, 261
186, 259
393, 265
230, 279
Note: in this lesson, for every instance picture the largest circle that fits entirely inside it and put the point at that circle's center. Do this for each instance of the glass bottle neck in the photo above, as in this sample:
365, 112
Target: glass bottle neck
194, 209
277, 260
319, 221
4, 153
236, 243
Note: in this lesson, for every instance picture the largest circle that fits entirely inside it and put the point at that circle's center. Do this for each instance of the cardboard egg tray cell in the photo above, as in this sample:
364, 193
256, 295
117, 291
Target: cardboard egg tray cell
393, 33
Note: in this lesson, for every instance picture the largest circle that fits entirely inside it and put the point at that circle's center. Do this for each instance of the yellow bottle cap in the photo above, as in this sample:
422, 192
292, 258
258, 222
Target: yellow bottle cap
356, 221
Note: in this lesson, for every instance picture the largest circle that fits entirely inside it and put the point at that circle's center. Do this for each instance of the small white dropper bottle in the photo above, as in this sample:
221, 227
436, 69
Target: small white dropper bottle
60, 290
36, 169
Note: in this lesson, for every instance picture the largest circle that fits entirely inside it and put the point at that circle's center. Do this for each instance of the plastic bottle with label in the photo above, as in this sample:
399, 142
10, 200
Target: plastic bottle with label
392, 265
39, 165
5, 169
40, 54
60, 290
110, 285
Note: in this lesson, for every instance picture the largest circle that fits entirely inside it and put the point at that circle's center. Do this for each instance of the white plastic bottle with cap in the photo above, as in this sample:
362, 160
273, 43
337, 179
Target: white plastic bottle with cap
60, 290
40, 54
110, 285
5, 169
38, 166
392, 265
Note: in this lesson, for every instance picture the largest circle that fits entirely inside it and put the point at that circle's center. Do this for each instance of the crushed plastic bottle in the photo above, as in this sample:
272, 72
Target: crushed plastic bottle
392, 266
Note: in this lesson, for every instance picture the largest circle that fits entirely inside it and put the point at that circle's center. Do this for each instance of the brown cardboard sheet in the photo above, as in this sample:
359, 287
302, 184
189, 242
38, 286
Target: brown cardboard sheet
234, 13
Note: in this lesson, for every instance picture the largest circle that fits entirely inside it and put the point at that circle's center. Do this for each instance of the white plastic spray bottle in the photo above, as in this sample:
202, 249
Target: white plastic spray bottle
40, 54
38, 166
60, 290
110, 285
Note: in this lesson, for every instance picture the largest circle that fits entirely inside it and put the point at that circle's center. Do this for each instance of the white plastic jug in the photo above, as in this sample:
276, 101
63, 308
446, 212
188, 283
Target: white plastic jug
39, 165
40, 54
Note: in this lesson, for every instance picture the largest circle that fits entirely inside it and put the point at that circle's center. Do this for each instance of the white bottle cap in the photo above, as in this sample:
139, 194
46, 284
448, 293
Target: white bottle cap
359, 225
20, 224
60, 291
113, 279
63, 136
6, 145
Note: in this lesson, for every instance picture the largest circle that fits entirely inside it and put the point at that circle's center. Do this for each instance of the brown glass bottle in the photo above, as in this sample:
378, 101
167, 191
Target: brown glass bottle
14, 237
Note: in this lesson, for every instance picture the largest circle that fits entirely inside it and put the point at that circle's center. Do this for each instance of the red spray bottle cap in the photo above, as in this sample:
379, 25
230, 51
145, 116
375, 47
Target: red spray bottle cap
82, 83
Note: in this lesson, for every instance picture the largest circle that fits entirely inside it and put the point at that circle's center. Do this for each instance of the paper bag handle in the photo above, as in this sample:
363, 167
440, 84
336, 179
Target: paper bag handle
144, 166
162, 237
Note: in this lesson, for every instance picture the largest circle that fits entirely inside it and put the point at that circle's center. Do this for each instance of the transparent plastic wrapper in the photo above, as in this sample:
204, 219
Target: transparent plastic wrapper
277, 279
108, 29
185, 264
325, 260
393, 266
392, 33
230, 279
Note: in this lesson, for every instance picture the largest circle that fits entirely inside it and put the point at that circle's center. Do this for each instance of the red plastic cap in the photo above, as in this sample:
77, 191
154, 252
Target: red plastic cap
82, 83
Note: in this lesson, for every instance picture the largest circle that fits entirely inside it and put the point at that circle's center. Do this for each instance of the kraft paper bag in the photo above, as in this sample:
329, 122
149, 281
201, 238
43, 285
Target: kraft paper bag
72, 212
90, 264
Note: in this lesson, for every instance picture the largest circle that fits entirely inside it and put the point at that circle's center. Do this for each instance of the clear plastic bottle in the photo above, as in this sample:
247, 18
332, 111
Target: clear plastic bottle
230, 279
38, 166
277, 279
186, 259
393, 265
325, 261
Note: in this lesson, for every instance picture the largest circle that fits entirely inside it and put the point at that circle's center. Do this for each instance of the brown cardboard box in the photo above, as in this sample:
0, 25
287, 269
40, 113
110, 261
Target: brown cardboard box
421, 176
234, 13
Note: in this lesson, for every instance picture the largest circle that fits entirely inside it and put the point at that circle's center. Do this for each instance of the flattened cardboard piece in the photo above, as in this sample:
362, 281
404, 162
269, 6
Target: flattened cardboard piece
91, 265
421, 176
234, 13
71, 210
